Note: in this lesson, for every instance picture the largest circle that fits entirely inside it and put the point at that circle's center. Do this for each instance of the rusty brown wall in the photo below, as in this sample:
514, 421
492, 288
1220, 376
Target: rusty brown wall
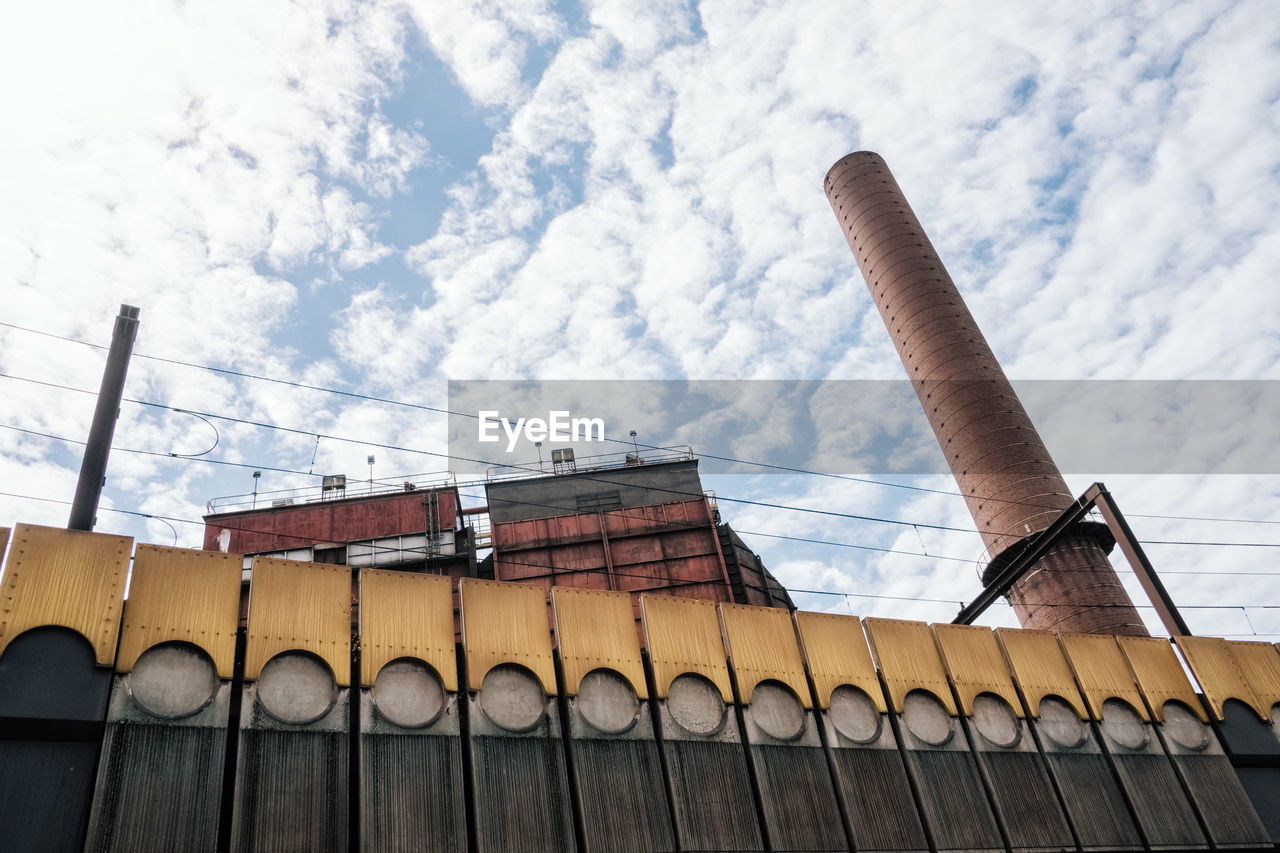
1008, 479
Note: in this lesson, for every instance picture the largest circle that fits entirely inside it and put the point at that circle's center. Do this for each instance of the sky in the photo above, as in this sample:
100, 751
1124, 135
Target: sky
381, 197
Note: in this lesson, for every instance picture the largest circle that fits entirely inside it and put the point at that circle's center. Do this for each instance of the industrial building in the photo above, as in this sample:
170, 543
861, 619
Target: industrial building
593, 660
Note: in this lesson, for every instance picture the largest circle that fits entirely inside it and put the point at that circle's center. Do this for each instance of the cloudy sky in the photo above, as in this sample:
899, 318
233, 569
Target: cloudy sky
379, 197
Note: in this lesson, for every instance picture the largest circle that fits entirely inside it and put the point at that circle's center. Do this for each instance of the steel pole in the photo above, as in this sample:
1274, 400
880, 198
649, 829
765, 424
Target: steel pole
93, 467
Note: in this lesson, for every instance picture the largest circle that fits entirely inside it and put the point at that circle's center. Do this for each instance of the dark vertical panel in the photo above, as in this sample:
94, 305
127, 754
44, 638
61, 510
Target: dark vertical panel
160, 781
1254, 747
710, 786
946, 776
1090, 791
1215, 789
1159, 802
712, 796
411, 785
521, 792
44, 801
871, 781
621, 796
53, 698
291, 784
798, 802
1016, 776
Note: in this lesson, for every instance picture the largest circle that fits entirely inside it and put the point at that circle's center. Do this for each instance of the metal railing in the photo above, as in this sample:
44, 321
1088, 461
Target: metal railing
600, 462
351, 488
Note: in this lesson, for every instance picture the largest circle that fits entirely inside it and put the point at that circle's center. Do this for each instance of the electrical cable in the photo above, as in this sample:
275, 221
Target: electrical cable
552, 570
423, 407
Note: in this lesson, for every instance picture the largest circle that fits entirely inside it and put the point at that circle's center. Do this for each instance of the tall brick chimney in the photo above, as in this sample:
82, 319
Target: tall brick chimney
1011, 484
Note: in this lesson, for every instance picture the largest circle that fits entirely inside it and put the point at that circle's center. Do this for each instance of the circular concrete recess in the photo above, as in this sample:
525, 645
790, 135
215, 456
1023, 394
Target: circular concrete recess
408, 693
1181, 724
854, 714
297, 687
695, 704
927, 718
512, 697
777, 711
1123, 725
607, 701
1060, 723
173, 680
995, 720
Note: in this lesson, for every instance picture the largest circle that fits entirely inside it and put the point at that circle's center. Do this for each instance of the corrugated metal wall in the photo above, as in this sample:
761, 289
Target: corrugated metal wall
552, 727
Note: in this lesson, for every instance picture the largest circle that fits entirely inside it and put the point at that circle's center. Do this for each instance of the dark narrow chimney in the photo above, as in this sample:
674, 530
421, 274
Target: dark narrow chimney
1012, 486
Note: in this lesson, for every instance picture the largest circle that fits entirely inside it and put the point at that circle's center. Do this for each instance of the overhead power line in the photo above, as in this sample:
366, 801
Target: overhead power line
561, 570
626, 442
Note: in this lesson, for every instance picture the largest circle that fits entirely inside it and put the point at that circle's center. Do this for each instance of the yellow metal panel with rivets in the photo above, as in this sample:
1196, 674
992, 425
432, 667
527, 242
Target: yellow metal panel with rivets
974, 661
1221, 675
596, 629
295, 605
1102, 672
683, 635
506, 623
1260, 663
1040, 668
62, 577
186, 595
4, 539
762, 647
405, 614
837, 653
1160, 675
908, 660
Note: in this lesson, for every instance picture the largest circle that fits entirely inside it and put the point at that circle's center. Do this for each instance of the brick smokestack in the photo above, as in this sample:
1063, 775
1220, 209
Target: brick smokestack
1012, 486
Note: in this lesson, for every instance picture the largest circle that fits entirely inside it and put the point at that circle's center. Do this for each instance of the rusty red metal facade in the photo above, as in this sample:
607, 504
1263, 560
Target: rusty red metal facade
1009, 481
338, 521
669, 547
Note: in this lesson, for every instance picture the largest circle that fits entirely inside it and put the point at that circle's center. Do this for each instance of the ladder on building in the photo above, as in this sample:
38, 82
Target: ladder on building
433, 532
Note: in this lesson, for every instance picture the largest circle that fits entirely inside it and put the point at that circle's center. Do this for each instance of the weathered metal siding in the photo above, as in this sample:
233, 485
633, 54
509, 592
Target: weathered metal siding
1011, 765
1091, 793
710, 781
616, 764
160, 777
798, 799
665, 547
952, 799
1159, 802
434, 763
1241, 682
60, 606
520, 788
349, 520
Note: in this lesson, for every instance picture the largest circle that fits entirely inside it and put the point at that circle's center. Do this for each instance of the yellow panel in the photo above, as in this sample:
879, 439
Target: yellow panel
1160, 675
597, 628
1102, 671
404, 614
683, 635
297, 605
762, 646
1220, 674
837, 652
65, 577
180, 594
1260, 663
4, 539
506, 623
973, 659
1040, 668
908, 660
